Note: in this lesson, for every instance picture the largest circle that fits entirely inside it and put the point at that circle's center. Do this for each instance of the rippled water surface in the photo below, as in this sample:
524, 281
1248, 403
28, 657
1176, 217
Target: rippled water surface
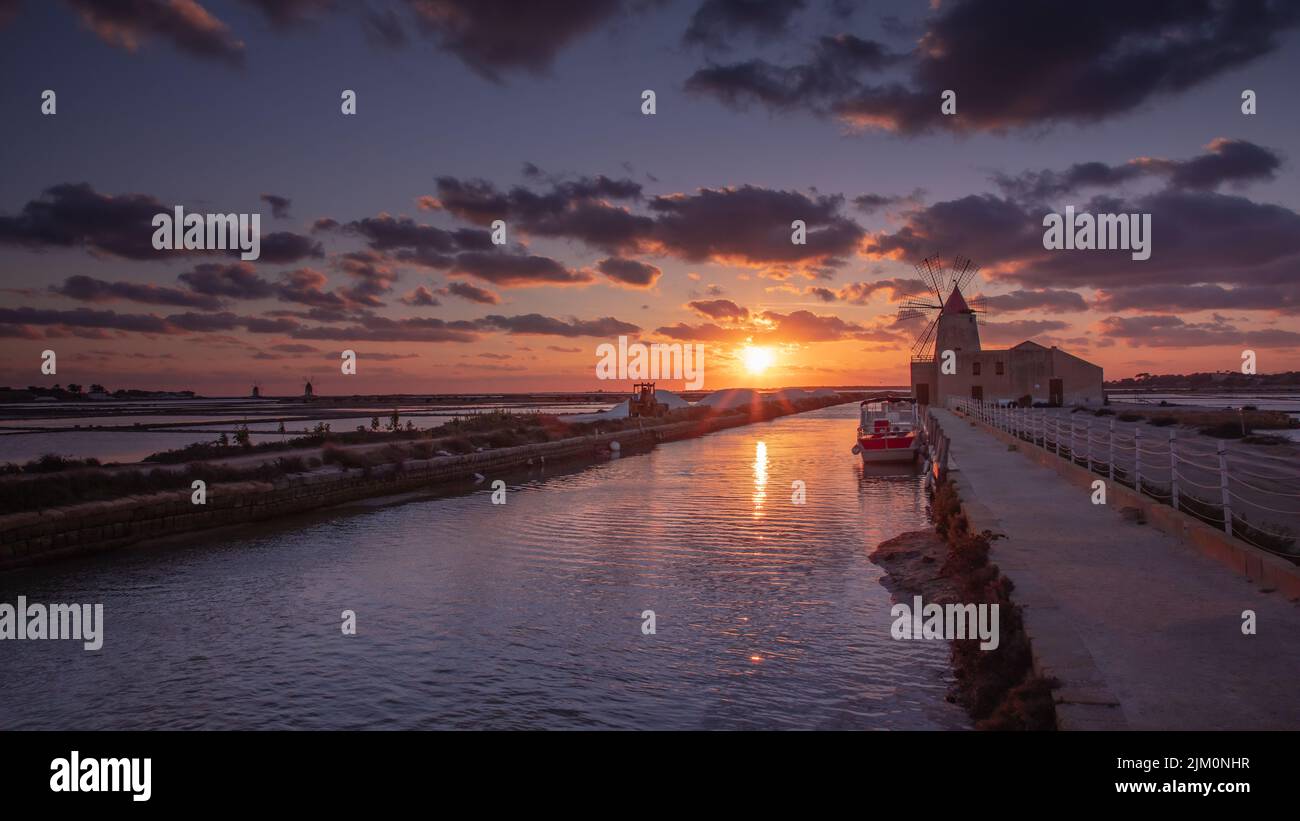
470, 615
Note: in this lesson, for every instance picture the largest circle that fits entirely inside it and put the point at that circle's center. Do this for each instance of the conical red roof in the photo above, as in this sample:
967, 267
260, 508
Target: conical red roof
956, 303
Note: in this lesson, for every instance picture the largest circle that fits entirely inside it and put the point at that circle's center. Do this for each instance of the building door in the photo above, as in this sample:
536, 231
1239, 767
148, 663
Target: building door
977, 393
923, 393
1056, 392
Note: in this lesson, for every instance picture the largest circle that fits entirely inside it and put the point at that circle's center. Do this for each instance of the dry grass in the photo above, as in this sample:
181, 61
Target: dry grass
997, 687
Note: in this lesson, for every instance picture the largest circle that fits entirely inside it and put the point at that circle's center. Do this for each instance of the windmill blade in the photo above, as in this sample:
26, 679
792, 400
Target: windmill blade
922, 343
963, 271
921, 304
907, 314
931, 271
979, 304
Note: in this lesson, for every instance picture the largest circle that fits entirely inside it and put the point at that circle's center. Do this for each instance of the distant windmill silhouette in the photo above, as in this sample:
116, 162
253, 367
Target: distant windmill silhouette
945, 297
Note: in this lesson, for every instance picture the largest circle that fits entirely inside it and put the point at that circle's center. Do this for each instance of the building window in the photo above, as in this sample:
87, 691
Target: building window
976, 366
998, 369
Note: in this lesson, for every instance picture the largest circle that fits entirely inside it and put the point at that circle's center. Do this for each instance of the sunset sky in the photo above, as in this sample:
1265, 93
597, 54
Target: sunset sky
670, 227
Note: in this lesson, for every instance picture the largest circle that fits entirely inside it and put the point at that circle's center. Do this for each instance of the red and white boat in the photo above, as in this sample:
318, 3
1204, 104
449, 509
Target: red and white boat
887, 430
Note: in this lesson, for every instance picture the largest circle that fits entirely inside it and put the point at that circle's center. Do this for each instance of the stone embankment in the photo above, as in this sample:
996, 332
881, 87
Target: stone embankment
53, 534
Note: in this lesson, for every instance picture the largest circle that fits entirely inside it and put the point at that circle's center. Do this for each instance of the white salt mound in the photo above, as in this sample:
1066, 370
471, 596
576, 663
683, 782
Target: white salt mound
787, 395
727, 400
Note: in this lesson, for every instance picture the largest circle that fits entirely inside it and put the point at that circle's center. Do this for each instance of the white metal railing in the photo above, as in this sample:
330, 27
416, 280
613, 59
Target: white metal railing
936, 447
1205, 479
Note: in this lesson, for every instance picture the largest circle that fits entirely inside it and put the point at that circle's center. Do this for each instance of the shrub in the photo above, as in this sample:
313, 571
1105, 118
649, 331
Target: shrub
53, 463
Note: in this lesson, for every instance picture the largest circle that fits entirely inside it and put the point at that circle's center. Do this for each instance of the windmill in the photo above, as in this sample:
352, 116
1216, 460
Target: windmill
945, 287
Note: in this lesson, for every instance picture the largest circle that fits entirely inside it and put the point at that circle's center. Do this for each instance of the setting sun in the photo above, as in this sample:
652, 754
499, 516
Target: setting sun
756, 359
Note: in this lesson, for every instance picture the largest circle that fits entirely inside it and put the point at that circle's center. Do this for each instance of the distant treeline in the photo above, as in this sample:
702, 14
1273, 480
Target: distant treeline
73, 391
1208, 381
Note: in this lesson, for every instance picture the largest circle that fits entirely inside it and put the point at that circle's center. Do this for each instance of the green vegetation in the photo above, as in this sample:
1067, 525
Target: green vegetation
49, 463
76, 486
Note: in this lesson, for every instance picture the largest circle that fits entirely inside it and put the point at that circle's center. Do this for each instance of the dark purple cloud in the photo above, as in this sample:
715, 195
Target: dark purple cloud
1197, 237
1046, 299
382, 329
383, 27
279, 205
372, 276
494, 37
752, 226
283, 248
1164, 331
895, 288
629, 272
306, 286
549, 326
1225, 161
186, 24
8, 11
286, 14
236, 280
1018, 330
719, 309
516, 270
797, 326
471, 293
420, 297
1022, 63
716, 21
831, 73
189, 322
72, 215
577, 209
1280, 297
871, 203
90, 289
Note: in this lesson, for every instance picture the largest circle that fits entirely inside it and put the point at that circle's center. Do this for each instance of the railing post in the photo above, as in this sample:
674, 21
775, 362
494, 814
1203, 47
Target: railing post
1110, 450
1056, 434
1073, 453
1223, 487
1137, 459
1173, 471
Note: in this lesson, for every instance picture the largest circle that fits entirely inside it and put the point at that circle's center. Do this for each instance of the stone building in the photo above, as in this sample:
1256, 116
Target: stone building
1025, 373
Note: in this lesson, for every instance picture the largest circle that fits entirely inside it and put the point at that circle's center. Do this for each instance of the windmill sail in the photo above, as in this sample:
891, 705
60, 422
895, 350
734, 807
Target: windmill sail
944, 284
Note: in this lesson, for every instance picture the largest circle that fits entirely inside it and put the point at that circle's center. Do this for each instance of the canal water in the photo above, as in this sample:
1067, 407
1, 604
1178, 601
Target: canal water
767, 614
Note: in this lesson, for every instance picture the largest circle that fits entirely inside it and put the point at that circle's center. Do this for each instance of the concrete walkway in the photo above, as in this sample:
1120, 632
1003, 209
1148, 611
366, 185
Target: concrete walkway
1144, 632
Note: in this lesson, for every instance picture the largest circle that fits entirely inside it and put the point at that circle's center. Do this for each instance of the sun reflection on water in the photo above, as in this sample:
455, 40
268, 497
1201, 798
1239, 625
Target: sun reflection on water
760, 478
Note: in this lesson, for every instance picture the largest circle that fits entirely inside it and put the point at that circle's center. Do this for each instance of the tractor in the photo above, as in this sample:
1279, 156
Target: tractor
644, 402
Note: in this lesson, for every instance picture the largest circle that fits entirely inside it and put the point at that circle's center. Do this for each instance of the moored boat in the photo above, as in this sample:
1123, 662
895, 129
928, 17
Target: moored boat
887, 430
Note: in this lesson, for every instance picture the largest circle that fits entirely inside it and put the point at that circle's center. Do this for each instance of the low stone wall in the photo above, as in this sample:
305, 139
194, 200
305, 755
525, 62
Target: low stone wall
49, 535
